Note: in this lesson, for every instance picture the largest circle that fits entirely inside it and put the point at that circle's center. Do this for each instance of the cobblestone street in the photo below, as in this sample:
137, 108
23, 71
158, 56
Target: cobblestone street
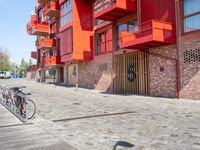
91, 120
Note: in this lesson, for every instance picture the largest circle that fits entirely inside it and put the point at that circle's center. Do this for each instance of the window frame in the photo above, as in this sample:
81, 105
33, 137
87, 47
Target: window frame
105, 43
183, 17
65, 14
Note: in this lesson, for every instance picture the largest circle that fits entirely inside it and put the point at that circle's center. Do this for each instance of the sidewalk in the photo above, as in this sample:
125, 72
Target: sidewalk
17, 136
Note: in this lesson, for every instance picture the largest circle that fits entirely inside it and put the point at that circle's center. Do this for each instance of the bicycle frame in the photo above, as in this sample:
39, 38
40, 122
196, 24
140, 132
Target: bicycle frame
17, 104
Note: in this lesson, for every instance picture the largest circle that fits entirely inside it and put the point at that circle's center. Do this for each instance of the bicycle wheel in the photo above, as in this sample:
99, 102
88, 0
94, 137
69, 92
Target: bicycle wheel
2, 94
30, 109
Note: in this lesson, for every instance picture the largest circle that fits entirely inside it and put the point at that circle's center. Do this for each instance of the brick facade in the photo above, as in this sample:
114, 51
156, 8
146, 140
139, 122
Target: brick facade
190, 69
97, 74
162, 72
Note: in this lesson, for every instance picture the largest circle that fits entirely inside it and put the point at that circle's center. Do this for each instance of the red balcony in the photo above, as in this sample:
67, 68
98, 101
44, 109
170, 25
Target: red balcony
34, 54
35, 28
114, 9
32, 24
51, 9
41, 29
53, 60
46, 43
151, 34
43, 2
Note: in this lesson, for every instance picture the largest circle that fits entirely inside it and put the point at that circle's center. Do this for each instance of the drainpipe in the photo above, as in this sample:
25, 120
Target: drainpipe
139, 14
177, 47
114, 48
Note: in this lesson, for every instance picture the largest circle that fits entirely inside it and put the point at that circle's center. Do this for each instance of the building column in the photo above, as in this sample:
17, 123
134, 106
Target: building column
42, 77
65, 74
58, 75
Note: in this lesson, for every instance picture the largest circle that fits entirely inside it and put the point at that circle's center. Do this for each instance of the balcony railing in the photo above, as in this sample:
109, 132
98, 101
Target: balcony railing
151, 34
46, 43
41, 29
113, 9
43, 2
31, 24
51, 9
53, 60
36, 28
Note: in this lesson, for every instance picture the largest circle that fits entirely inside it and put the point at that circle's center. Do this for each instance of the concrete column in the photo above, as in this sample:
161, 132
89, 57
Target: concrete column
65, 74
58, 76
42, 75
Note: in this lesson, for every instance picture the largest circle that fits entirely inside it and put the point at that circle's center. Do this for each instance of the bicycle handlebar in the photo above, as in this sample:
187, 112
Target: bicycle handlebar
17, 88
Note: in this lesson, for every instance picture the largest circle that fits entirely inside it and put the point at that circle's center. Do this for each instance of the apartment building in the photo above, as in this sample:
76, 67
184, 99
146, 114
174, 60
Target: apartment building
144, 47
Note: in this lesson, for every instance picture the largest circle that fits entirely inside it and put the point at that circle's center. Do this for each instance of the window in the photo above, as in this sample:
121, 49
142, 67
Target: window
130, 26
66, 13
191, 15
104, 42
40, 15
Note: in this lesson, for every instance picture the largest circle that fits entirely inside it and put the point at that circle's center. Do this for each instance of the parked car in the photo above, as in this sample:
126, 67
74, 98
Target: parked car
5, 75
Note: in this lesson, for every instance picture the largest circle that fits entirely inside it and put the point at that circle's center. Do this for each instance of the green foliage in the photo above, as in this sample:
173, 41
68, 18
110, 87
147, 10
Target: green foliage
30, 63
22, 70
4, 60
13, 68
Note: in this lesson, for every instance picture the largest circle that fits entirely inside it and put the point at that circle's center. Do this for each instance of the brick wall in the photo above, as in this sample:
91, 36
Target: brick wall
162, 72
97, 74
190, 69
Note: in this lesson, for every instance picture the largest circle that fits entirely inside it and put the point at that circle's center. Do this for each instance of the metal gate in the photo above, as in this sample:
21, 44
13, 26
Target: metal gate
132, 75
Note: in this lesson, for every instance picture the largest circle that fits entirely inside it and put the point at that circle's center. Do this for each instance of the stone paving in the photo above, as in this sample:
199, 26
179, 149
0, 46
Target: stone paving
91, 120
14, 135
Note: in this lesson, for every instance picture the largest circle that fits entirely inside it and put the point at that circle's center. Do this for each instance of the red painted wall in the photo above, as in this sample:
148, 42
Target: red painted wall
163, 10
66, 46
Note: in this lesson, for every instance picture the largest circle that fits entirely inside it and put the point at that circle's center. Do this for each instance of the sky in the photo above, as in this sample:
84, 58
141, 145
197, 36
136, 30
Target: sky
14, 15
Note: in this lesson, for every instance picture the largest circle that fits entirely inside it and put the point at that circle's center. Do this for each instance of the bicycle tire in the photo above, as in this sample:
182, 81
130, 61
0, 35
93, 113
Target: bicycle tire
31, 114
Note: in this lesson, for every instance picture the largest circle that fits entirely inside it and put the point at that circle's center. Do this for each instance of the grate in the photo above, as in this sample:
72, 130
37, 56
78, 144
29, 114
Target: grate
191, 55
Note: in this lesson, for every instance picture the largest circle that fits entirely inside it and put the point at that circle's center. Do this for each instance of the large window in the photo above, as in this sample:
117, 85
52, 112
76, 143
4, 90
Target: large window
40, 15
66, 13
130, 26
191, 15
104, 42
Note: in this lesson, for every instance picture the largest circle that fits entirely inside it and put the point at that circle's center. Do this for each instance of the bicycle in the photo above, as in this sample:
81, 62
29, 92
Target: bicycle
18, 102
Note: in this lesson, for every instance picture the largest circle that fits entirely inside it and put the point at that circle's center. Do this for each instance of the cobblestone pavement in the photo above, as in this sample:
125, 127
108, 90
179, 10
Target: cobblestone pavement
90, 120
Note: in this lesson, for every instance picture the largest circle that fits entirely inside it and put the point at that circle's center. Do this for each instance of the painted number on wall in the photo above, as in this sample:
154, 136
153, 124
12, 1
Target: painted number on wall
74, 71
131, 73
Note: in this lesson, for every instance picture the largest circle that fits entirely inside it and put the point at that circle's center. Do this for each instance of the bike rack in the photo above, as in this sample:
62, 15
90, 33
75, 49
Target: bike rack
13, 110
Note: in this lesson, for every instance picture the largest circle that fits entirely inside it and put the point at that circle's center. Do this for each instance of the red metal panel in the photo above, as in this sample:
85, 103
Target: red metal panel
34, 54
162, 10
109, 40
84, 9
53, 28
66, 38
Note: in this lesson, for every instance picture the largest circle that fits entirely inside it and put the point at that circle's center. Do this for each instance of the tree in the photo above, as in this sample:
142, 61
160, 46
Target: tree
30, 63
4, 60
13, 68
23, 68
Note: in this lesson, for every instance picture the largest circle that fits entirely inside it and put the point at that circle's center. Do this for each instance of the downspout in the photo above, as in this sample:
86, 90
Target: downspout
177, 48
114, 48
139, 13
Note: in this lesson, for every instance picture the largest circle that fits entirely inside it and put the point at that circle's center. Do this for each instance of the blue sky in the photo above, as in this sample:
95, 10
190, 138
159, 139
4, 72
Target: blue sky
14, 15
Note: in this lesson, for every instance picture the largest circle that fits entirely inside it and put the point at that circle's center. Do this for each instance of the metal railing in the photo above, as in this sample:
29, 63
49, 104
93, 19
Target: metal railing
100, 5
